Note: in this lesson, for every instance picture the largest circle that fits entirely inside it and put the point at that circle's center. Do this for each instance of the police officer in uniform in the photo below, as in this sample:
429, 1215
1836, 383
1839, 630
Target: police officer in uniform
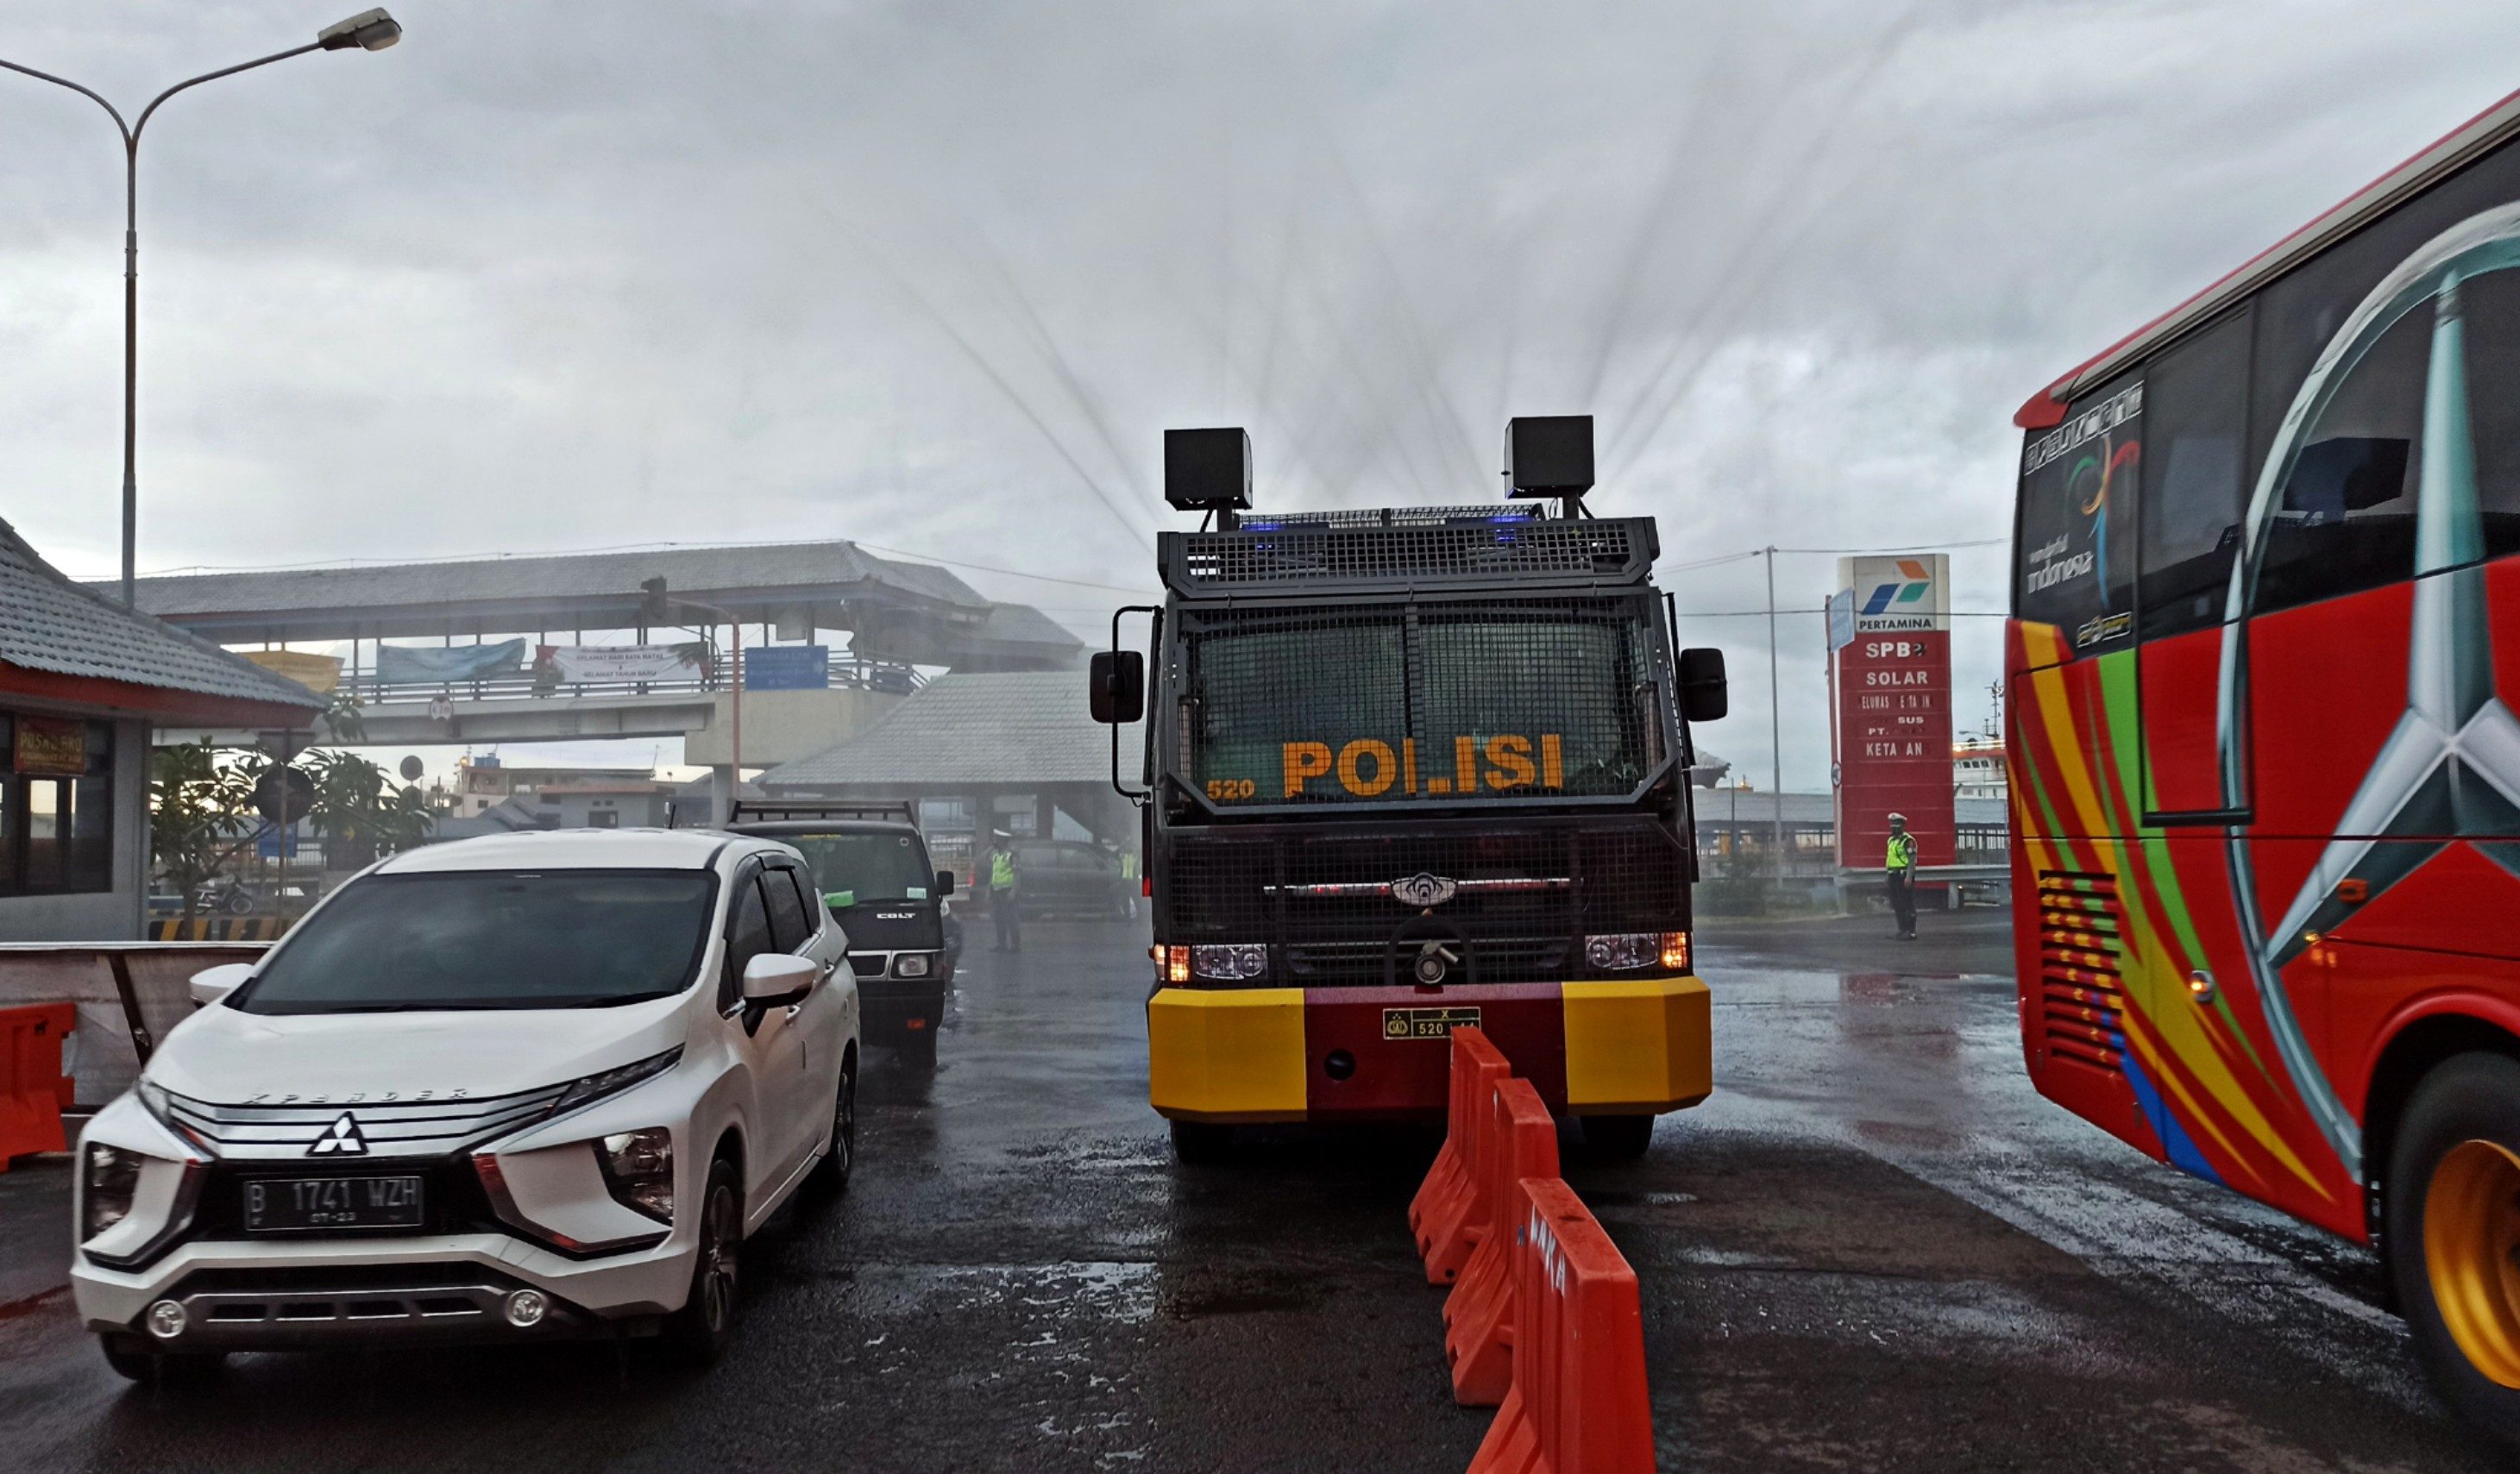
1003, 908
1900, 868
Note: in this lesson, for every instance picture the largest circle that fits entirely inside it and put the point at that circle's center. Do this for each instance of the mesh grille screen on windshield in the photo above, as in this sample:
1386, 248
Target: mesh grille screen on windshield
1500, 698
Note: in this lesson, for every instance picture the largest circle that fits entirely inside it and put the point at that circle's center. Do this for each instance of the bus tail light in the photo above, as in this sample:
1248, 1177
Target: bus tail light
1172, 965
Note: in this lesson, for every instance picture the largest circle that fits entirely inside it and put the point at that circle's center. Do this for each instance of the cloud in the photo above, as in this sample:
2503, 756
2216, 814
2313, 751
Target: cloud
936, 275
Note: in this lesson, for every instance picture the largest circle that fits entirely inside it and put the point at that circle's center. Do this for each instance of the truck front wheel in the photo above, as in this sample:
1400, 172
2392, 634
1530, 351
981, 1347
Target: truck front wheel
2451, 1228
1201, 1142
1618, 1136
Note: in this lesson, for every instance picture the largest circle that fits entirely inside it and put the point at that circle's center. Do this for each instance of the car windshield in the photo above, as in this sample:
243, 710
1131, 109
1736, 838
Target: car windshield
491, 939
878, 867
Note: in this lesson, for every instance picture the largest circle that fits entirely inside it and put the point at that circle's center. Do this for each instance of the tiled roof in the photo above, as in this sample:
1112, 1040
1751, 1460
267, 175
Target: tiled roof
1011, 727
48, 623
1019, 631
694, 571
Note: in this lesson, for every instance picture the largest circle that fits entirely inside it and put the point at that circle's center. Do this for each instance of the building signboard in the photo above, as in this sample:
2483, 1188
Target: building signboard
1893, 687
788, 667
51, 745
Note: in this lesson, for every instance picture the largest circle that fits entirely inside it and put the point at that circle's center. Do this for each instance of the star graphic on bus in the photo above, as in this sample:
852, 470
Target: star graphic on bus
2449, 770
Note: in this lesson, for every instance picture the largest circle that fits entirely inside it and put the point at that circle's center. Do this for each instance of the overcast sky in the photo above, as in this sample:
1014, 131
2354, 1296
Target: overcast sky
935, 276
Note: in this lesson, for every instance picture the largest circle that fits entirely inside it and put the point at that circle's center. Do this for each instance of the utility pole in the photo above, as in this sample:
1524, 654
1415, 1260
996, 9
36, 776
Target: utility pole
368, 30
1776, 724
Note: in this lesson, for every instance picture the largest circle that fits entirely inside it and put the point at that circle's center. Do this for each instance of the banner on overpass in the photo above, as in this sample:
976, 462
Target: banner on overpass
1893, 685
438, 664
576, 664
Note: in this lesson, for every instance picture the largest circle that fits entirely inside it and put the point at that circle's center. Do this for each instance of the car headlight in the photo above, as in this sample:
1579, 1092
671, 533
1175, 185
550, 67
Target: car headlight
1234, 963
1618, 951
638, 1168
910, 964
109, 1180
609, 1082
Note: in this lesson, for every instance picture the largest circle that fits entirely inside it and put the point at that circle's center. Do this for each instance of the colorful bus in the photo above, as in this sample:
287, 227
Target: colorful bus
2263, 765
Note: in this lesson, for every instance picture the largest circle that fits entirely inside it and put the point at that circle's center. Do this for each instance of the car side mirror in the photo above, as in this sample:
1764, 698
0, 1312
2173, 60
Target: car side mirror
1117, 686
211, 984
775, 978
944, 884
1703, 696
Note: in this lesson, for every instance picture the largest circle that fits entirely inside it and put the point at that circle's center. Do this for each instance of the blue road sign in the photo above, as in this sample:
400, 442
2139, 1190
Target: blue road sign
788, 667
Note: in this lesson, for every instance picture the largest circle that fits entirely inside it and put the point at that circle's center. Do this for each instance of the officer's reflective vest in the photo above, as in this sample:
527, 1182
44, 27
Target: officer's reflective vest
1129, 867
1903, 852
1002, 870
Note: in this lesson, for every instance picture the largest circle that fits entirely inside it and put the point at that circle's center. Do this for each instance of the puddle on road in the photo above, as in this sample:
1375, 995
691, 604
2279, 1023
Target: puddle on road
1227, 1292
1112, 1290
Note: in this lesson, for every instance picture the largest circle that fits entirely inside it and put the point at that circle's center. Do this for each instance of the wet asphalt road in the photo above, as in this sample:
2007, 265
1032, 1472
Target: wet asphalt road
1874, 1248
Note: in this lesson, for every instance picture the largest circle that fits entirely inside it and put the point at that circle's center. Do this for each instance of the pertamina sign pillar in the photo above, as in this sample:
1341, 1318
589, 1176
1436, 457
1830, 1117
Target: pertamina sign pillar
1893, 683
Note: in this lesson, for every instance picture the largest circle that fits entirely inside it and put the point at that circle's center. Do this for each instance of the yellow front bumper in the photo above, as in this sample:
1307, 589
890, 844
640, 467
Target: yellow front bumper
1638, 1047
1632, 1046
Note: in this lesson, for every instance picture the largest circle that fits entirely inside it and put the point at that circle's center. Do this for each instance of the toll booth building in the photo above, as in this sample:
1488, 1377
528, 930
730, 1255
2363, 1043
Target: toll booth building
82, 683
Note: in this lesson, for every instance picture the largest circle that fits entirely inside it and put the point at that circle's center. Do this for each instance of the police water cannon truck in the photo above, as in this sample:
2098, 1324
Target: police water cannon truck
1406, 770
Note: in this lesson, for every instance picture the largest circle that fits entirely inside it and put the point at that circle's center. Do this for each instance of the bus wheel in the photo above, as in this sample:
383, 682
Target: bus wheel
2452, 1230
1202, 1143
1619, 1136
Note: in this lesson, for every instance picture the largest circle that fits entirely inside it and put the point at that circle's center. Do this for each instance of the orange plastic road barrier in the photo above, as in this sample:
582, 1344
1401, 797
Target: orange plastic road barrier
1449, 1179
1578, 1402
1478, 1315
32, 1087
1446, 1229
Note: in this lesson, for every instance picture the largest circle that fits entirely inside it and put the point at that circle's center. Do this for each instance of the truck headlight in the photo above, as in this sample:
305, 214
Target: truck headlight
638, 1168
910, 964
1620, 951
1234, 963
108, 1182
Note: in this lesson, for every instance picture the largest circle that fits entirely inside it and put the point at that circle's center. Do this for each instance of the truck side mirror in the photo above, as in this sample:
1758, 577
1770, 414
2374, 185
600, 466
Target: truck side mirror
1703, 696
1118, 687
944, 884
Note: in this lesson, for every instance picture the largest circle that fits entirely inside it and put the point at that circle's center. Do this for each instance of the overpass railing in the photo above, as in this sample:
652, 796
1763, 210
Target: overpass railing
372, 692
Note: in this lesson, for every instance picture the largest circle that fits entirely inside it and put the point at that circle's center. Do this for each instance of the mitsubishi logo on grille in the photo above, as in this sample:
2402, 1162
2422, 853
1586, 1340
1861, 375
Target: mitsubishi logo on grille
2451, 767
341, 1139
1422, 889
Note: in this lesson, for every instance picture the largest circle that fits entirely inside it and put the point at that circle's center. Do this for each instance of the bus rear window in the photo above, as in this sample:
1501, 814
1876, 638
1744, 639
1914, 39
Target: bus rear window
2077, 523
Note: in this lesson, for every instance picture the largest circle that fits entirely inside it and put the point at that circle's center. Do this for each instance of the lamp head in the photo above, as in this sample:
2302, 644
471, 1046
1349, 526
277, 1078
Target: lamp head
369, 30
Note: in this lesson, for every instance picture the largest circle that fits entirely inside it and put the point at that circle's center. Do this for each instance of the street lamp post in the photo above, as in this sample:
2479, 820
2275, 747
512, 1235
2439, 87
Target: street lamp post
369, 30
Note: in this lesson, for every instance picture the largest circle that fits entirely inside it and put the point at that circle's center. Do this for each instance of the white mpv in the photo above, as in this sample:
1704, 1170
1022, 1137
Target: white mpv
508, 1088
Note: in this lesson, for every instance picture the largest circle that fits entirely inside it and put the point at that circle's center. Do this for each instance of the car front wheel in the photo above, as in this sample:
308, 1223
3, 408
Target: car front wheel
700, 1331
832, 1173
